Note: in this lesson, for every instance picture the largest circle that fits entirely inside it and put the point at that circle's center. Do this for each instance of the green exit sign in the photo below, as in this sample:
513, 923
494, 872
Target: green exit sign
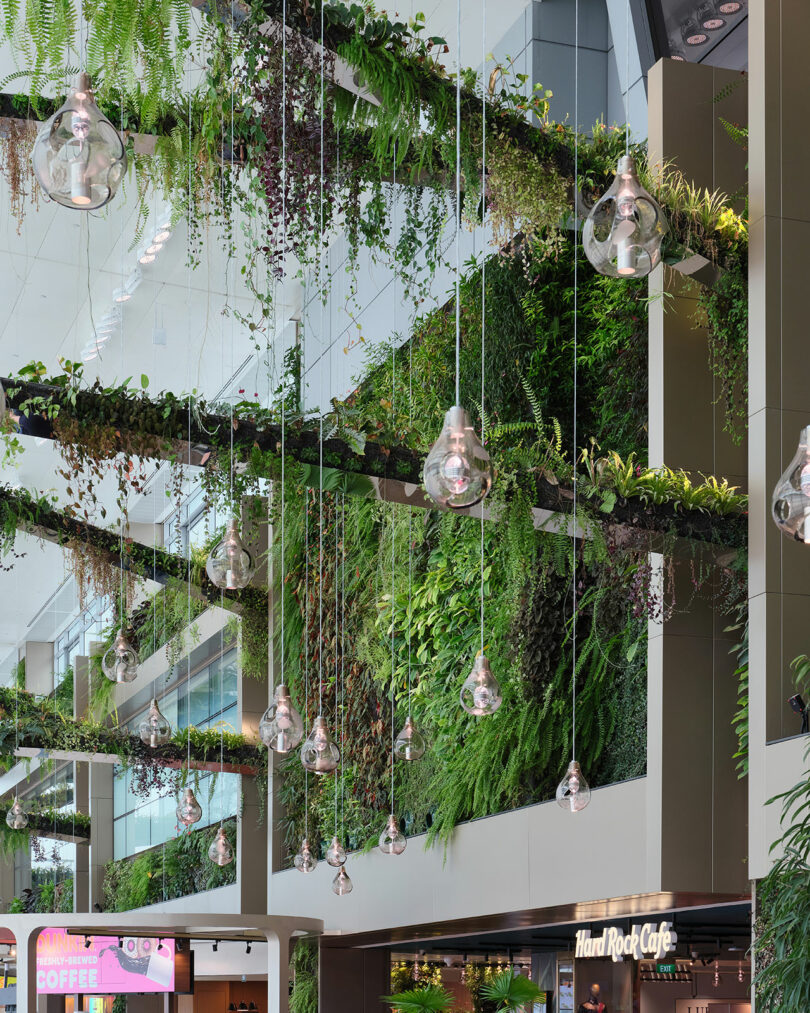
667, 968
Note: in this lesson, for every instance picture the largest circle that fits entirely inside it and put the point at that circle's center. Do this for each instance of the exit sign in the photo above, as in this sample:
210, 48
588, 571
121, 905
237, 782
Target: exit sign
666, 968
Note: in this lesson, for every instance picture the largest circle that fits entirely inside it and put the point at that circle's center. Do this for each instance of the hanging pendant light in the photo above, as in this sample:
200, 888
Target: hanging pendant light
335, 853
281, 727
481, 693
457, 472
230, 565
320, 753
623, 233
17, 817
79, 159
341, 884
392, 841
305, 861
409, 744
220, 851
790, 504
155, 729
120, 663
189, 811
573, 792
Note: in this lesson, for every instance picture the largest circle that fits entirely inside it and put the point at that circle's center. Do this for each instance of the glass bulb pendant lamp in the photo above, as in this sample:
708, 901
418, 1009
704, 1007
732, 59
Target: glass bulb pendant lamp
189, 811
392, 841
220, 851
335, 853
790, 503
305, 861
409, 744
281, 727
320, 753
155, 729
481, 693
120, 663
573, 792
79, 159
230, 565
622, 235
17, 817
457, 472
341, 884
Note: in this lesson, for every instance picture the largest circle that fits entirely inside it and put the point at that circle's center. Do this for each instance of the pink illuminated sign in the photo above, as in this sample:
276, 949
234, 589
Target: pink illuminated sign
65, 965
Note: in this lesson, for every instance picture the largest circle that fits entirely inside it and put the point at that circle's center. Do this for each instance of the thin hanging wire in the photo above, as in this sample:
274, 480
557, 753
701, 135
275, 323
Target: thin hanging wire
306, 647
483, 265
393, 571
188, 538
336, 583
627, 80
576, 279
283, 247
458, 200
320, 411
343, 672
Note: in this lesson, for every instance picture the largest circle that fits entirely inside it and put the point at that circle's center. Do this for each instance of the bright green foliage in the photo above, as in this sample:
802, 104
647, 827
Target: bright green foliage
304, 966
179, 868
510, 991
428, 999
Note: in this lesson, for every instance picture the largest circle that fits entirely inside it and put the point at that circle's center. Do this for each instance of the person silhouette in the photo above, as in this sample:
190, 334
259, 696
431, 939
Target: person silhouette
593, 1004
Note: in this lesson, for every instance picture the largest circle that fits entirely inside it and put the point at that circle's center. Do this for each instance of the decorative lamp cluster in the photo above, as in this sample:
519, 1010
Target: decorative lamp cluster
457, 472
120, 663
392, 841
481, 694
79, 158
305, 860
230, 565
622, 235
320, 754
409, 744
573, 792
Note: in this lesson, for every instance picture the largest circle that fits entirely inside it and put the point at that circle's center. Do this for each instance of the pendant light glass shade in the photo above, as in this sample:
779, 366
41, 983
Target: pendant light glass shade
790, 504
392, 841
481, 693
281, 727
335, 853
409, 744
230, 565
305, 861
155, 729
120, 663
220, 851
341, 884
457, 472
573, 792
17, 817
622, 235
79, 159
320, 753
189, 811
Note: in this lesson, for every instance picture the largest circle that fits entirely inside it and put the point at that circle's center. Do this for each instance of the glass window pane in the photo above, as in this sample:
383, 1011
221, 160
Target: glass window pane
120, 838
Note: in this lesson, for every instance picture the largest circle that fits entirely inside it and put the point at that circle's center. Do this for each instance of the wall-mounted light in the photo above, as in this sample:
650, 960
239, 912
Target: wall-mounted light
216, 945
247, 947
88, 942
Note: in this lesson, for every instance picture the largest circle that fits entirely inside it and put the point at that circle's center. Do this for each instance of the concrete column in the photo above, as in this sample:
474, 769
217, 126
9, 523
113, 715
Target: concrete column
278, 972
81, 878
690, 671
101, 828
779, 388
27, 969
352, 980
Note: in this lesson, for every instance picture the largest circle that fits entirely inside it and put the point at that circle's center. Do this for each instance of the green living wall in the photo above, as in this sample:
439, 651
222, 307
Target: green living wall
339, 617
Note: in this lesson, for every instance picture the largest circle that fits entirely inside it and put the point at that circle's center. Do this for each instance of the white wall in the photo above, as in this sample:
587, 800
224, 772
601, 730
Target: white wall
534, 857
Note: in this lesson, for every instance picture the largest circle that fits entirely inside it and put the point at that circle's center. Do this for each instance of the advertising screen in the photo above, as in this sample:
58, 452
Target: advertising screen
66, 965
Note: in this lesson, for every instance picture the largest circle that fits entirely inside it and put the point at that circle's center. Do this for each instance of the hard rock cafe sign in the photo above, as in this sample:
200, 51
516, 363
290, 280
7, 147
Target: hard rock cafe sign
647, 940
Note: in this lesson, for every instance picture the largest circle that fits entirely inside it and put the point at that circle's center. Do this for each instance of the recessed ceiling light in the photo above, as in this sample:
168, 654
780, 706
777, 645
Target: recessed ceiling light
692, 33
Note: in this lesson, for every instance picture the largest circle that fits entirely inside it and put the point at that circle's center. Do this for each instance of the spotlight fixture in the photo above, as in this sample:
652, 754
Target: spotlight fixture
120, 663
120, 942
790, 503
675, 51
692, 33
623, 233
247, 947
709, 17
154, 248
88, 942
730, 7
146, 258
79, 159
161, 235
125, 293
216, 945
242, 1007
232, 1007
